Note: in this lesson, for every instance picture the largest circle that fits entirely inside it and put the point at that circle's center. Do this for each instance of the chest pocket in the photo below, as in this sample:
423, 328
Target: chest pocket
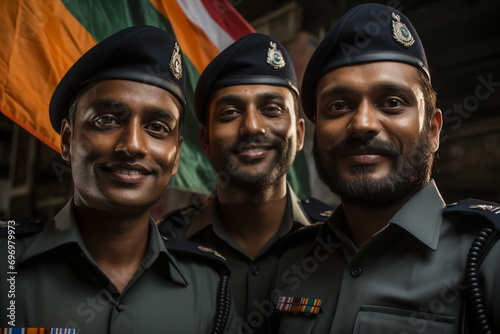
388, 320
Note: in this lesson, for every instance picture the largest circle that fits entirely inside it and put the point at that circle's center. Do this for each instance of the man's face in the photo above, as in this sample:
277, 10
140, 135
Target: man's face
253, 133
373, 145
124, 145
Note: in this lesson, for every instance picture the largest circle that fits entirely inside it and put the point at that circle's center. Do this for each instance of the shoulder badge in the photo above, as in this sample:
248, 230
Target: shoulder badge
488, 210
275, 57
400, 32
316, 210
175, 64
20, 226
179, 246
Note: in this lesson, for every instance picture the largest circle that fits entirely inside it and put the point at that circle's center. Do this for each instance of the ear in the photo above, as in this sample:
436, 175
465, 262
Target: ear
301, 130
204, 140
435, 129
66, 135
177, 156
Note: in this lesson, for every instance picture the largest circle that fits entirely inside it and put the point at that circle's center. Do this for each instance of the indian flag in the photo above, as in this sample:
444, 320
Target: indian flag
41, 39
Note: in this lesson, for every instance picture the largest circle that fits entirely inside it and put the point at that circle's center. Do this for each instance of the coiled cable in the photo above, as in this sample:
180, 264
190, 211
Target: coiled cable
223, 305
475, 305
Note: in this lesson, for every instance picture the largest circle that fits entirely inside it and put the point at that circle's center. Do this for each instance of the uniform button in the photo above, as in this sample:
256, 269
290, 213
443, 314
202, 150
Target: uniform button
119, 306
355, 271
255, 270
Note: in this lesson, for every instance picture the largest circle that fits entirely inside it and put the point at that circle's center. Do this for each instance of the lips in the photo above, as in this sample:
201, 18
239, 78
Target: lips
254, 151
127, 173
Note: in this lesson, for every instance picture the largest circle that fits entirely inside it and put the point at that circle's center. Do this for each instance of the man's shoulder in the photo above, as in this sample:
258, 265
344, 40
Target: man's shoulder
189, 252
315, 209
174, 224
474, 208
20, 227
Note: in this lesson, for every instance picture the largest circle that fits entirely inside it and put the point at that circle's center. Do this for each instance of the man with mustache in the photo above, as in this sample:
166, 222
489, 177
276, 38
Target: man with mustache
247, 102
102, 266
392, 257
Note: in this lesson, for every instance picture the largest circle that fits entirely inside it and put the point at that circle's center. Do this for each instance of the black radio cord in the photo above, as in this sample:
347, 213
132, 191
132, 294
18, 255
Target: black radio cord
223, 305
475, 303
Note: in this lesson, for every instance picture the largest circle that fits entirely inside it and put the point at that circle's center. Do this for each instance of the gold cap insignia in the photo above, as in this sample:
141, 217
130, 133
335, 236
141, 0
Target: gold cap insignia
400, 32
275, 57
175, 64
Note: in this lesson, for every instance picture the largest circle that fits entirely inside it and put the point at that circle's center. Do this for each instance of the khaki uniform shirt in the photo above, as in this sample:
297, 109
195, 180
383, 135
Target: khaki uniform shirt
408, 278
251, 280
58, 285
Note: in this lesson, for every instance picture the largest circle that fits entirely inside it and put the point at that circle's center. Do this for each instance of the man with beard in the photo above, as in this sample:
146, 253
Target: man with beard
101, 266
246, 100
392, 257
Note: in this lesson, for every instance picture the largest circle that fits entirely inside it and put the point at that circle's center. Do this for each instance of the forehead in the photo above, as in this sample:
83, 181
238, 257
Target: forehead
370, 76
132, 94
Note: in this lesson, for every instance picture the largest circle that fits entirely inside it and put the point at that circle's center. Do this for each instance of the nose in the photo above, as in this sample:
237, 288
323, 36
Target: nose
364, 122
132, 141
252, 123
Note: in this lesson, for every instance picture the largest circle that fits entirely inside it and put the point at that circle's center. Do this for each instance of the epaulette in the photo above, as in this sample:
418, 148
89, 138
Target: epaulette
180, 246
488, 210
20, 226
316, 210
304, 235
176, 217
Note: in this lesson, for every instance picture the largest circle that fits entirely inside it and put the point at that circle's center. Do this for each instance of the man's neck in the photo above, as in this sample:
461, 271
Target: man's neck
365, 221
251, 218
116, 243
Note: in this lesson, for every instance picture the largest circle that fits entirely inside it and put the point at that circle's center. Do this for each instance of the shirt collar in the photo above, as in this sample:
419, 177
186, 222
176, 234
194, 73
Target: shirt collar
209, 216
63, 230
421, 215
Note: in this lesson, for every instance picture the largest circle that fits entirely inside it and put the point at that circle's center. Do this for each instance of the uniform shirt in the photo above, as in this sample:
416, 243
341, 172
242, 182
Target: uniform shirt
58, 285
251, 280
408, 278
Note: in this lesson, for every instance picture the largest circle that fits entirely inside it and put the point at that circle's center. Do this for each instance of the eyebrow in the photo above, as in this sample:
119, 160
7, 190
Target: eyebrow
381, 87
112, 103
236, 98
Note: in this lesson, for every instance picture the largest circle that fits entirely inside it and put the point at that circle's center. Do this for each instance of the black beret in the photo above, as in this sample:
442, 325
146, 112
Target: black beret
141, 53
366, 33
255, 59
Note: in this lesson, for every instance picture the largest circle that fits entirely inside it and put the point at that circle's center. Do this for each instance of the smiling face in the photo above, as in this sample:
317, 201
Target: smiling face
253, 133
373, 143
124, 145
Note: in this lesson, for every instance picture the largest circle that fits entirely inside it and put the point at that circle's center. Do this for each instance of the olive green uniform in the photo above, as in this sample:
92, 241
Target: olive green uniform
251, 280
58, 285
408, 278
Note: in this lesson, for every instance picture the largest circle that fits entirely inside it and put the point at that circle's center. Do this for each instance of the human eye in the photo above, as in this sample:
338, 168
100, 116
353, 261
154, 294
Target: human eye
273, 110
158, 129
392, 104
105, 122
228, 113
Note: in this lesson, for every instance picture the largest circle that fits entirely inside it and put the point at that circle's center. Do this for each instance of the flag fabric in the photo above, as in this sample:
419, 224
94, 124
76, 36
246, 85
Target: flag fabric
42, 39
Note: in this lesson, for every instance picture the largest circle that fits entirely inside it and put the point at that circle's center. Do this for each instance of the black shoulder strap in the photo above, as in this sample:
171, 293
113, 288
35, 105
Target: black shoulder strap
213, 257
473, 312
176, 221
21, 226
316, 210
488, 210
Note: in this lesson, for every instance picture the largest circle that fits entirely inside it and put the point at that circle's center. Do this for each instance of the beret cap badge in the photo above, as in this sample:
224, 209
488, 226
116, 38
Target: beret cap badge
175, 64
274, 57
400, 32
